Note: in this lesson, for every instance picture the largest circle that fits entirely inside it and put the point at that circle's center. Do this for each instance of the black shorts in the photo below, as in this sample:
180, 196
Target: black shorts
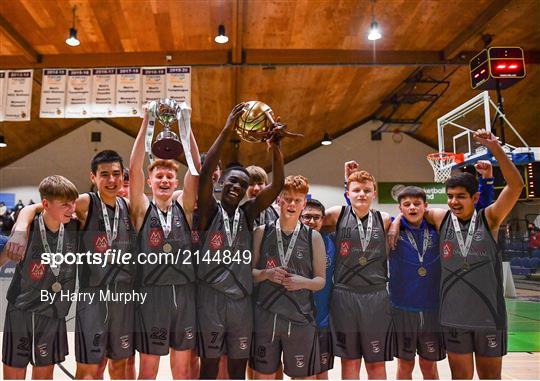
483, 342
326, 349
33, 338
418, 332
103, 328
166, 319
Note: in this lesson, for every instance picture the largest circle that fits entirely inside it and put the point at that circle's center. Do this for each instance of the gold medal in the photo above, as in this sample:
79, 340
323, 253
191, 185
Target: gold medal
422, 271
465, 266
167, 248
362, 261
56, 287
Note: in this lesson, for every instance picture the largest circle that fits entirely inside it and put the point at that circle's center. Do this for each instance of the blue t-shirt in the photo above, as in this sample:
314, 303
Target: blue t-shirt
3, 241
322, 297
409, 290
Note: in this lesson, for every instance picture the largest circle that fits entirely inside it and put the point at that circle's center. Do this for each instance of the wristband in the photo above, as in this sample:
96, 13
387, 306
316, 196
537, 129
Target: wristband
488, 180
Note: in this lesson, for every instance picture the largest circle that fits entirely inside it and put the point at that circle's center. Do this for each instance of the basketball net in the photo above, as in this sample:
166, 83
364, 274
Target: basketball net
442, 163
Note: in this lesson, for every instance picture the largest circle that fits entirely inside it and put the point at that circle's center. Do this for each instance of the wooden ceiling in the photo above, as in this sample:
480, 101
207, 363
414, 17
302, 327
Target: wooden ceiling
309, 60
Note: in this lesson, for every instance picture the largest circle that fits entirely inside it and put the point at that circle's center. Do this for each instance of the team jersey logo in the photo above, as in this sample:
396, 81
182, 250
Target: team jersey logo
492, 341
299, 254
37, 271
124, 341
100, 243
42, 350
261, 351
188, 333
376, 234
243, 343
478, 235
324, 358
194, 237
271, 263
216, 241
447, 251
155, 237
345, 248
430, 345
299, 361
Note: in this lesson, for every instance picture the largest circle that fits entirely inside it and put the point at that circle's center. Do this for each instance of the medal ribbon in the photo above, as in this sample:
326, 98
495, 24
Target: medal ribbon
464, 247
284, 258
150, 130
111, 236
59, 242
425, 243
230, 237
166, 225
365, 237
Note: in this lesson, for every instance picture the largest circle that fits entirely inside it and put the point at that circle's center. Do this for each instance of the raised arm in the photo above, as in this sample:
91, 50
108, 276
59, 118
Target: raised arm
330, 219
497, 212
188, 198
16, 244
138, 200
206, 201
266, 197
485, 184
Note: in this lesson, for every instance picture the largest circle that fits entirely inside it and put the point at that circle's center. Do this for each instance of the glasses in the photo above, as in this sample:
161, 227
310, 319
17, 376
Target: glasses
308, 217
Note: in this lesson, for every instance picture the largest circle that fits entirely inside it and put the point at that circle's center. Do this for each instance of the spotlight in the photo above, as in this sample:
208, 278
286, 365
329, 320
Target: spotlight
374, 32
221, 38
3, 143
326, 140
72, 40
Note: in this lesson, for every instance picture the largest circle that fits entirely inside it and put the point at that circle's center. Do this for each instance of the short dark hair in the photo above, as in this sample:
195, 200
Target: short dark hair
411, 191
465, 180
126, 174
315, 204
226, 172
107, 156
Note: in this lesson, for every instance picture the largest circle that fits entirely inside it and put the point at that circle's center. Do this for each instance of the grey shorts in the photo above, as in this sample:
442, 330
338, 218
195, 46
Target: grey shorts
362, 325
33, 338
418, 332
166, 320
225, 324
274, 335
103, 328
483, 342
326, 350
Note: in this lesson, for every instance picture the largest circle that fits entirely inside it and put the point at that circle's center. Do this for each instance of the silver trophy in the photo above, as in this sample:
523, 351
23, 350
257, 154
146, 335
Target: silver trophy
167, 145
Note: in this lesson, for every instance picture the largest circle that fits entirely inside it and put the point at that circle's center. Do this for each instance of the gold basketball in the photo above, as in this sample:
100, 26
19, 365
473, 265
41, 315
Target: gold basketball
255, 123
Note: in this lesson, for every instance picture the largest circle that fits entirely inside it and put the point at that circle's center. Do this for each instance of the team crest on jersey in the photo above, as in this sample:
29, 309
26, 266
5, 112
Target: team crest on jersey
36, 270
155, 237
42, 350
299, 361
299, 254
447, 250
271, 263
345, 248
188, 333
126, 223
216, 241
261, 351
194, 237
492, 341
430, 345
324, 358
176, 221
375, 233
375, 346
100, 243
124, 341
243, 343
478, 235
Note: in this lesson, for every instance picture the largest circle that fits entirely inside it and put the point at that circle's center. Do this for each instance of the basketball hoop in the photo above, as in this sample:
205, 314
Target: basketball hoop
442, 163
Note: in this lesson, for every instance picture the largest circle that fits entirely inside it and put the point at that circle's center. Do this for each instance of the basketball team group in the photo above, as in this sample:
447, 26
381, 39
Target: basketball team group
255, 279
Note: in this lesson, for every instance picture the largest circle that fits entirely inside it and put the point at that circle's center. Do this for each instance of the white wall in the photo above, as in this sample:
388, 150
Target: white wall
386, 160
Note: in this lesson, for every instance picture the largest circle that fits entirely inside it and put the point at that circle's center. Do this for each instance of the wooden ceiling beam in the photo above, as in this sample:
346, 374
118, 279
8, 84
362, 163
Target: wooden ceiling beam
29, 53
452, 49
238, 30
192, 57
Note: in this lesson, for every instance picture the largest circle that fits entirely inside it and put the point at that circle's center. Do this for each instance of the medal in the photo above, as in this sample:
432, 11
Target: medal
167, 248
422, 271
362, 261
285, 257
56, 287
465, 266
230, 236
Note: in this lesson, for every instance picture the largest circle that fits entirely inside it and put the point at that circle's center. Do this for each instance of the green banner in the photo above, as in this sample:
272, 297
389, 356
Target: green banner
387, 192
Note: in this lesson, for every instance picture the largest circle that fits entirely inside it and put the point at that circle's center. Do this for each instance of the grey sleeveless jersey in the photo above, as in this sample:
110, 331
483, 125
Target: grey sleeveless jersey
94, 239
234, 279
471, 297
295, 306
32, 276
355, 269
266, 216
152, 240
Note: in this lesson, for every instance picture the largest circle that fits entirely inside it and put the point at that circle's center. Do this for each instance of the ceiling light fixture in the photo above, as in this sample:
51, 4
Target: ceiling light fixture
3, 143
326, 141
72, 40
374, 31
221, 38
